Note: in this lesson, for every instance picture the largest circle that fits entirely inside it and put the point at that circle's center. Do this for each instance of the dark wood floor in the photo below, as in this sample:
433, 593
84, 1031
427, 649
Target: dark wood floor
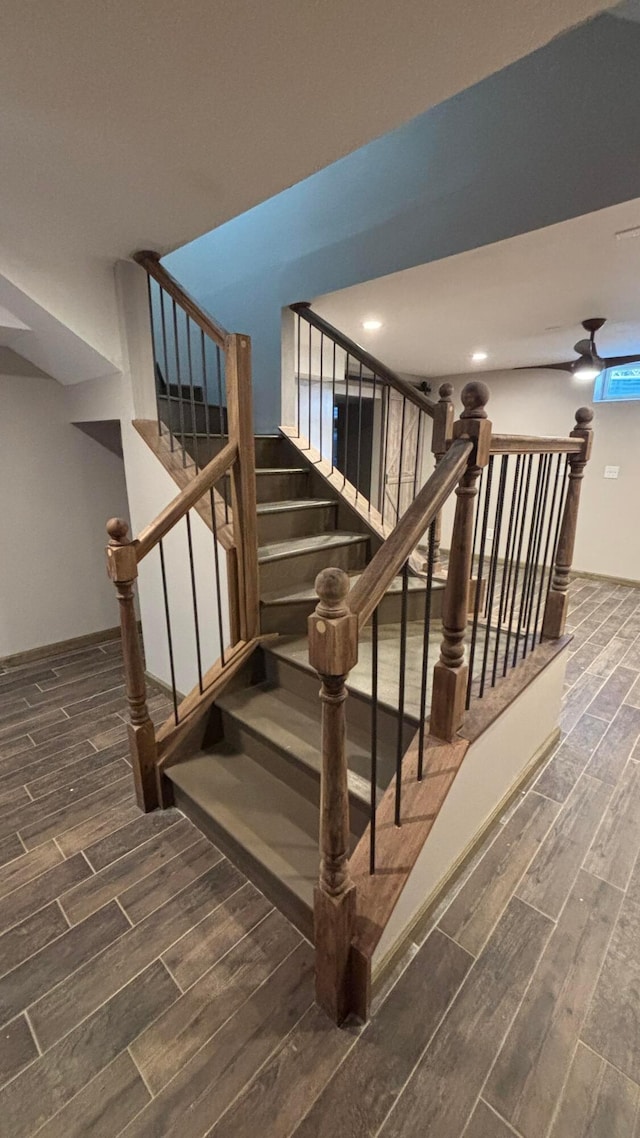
148, 989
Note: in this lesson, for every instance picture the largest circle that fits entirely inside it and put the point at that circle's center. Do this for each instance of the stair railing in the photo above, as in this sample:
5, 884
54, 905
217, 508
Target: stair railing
490, 623
223, 494
369, 430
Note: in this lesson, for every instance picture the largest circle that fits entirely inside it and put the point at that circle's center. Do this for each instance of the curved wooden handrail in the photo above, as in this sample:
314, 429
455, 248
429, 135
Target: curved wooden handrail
150, 261
373, 583
159, 528
532, 444
303, 309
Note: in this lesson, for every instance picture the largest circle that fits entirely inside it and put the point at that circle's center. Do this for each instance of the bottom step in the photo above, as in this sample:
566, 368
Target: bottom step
262, 825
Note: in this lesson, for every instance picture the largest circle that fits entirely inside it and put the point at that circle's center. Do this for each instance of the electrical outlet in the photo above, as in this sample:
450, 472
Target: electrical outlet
611, 471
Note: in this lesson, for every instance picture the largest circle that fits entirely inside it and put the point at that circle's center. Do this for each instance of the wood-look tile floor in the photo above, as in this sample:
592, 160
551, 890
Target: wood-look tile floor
147, 988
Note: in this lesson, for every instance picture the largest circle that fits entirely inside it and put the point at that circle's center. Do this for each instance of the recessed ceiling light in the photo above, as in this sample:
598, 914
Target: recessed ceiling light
371, 325
478, 357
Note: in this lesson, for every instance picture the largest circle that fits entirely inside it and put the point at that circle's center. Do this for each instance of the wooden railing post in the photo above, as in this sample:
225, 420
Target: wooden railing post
441, 436
451, 672
333, 651
243, 480
555, 613
122, 567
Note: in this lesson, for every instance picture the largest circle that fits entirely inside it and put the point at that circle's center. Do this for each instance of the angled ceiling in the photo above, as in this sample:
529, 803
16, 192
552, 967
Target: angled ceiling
128, 124
520, 300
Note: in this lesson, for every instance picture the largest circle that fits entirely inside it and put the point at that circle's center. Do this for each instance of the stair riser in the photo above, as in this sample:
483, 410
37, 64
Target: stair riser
271, 885
305, 684
279, 487
291, 618
287, 767
290, 572
270, 450
296, 523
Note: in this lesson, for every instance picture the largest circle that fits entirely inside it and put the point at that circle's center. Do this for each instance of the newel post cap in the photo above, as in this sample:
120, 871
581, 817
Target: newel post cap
333, 628
475, 396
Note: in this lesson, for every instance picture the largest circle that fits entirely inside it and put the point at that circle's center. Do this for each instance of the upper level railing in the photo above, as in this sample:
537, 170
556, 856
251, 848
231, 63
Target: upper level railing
372, 429
224, 613
503, 594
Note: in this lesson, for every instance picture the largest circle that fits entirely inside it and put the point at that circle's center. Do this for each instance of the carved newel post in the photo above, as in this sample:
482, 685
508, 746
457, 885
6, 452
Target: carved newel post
122, 567
440, 438
333, 651
451, 672
555, 613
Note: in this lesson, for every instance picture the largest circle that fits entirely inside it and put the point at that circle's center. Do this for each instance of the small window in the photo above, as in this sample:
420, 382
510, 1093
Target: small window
617, 383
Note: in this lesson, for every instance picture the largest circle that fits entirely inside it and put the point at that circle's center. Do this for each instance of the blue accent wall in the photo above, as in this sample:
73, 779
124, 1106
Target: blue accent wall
553, 136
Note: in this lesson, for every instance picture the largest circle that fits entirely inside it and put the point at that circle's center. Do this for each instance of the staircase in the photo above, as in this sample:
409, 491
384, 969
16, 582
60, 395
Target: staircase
328, 802
254, 784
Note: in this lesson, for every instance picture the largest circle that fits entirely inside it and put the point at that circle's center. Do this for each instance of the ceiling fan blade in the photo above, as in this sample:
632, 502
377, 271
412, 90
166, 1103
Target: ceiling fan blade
567, 366
618, 361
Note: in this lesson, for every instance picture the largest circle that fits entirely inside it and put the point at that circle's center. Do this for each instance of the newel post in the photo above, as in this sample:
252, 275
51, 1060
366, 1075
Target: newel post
333, 651
451, 672
440, 438
122, 567
555, 613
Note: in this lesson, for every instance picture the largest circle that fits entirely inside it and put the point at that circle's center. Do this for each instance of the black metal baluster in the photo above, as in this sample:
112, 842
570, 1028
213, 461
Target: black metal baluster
374, 741
205, 395
321, 377
333, 409
401, 460
373, 419
528, 559
506, 569
194, 414
176, 347
155, 350
546, 463
358, 451
346, 423
401, 688
386, 416
310, 362
214, 527
476, 520
417, 458
478, 595
169, 637
167, 377
493, 567
196, 622
426, 633
556, 536
547, 542
221, 405
522, 516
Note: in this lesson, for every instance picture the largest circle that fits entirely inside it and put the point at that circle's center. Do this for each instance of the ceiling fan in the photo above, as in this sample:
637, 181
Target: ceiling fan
589, 363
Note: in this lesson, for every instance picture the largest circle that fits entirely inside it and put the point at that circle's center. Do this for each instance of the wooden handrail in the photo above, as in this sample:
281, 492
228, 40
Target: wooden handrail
303, 309
160, 526
532, 444
150, 261
373, 583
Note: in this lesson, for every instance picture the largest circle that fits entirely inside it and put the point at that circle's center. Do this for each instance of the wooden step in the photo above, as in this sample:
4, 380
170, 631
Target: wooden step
297, 517
285, 609
280, 729
283, 563
264, 826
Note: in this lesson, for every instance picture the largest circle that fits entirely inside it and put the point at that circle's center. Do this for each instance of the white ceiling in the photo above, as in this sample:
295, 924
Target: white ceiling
148, 123
520, 300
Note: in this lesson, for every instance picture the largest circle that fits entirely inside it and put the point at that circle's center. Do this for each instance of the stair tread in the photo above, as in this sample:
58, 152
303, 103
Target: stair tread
312, 543
292, 725
307, 591
294, 504
281, 470
275, 825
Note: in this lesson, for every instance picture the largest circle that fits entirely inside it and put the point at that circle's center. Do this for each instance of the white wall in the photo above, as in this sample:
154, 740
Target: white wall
539, 402
57, 488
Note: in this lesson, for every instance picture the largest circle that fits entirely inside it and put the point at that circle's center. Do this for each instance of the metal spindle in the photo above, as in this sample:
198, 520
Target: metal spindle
155, 350
169, 637
221, 407
520, 540
167, 377
205, 394
374, 742
298, 348
401, 688
493, 567
417, 458
333, 406
358, 452
373, 419
426, 633
386, 417
194, 413
547, 542
556, 536
546, 465
478, 596
321, 377
194, 595
176, 348
214, 527
346, 424
309, 391
401, 459
528, 558
508, 560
